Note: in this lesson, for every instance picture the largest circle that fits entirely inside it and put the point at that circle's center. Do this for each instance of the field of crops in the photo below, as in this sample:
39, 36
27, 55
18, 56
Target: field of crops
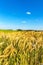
21, 48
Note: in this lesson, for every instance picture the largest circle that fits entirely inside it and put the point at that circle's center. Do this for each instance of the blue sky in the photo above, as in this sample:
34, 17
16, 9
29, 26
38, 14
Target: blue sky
21, 14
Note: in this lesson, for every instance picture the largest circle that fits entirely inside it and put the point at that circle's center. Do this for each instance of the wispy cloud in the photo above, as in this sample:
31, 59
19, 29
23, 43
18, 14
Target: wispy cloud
28, 13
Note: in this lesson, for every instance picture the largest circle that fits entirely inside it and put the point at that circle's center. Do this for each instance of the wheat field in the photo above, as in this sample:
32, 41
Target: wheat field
21, 48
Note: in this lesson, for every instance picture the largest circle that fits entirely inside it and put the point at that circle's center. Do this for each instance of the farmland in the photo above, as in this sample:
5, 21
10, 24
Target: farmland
21, 47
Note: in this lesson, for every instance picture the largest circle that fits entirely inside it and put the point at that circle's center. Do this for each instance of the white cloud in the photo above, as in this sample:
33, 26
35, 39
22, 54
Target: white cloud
28, 13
